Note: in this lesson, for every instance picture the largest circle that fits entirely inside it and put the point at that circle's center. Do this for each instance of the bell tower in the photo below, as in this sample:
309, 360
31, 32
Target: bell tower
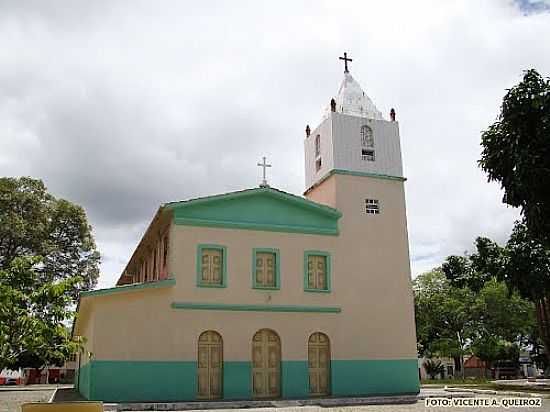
353, 163
353, 137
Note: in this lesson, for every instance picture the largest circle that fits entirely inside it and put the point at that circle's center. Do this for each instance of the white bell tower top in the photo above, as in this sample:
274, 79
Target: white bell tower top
353, 137
352, 100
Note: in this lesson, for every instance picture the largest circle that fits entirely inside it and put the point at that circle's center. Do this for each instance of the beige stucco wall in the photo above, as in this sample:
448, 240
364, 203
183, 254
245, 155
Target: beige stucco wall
378, 247
84, 326
370, 282
324, 193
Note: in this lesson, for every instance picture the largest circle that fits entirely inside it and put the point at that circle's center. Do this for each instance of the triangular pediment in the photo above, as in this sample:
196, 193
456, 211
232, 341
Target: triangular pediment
258, 209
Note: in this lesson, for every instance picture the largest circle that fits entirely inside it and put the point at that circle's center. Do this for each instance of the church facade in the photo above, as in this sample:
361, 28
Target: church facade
262, 294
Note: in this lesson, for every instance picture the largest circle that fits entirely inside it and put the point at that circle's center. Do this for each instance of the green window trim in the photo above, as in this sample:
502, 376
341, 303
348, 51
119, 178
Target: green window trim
277, 269
328, 263
223, 249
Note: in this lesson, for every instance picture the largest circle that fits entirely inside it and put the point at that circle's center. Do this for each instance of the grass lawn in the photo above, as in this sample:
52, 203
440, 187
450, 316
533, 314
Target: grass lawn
449, 382
483, 384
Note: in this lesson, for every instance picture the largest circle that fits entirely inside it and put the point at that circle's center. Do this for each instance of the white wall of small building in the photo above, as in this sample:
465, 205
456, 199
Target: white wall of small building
8, 373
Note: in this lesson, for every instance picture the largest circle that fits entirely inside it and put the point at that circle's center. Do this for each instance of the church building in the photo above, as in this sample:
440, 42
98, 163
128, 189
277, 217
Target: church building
264, 294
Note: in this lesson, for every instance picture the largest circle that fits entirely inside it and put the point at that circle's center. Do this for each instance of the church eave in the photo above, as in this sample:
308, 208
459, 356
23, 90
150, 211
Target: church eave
160, 214
129, 288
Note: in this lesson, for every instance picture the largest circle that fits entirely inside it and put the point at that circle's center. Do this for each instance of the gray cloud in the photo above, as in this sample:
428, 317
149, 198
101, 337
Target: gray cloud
120, 106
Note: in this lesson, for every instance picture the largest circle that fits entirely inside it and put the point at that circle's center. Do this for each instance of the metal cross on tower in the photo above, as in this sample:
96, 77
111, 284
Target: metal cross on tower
346, 60
264, 165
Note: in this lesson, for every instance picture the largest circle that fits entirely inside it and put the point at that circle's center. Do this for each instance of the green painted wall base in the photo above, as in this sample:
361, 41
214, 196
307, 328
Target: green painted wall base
374, 377
237, 380
294, 379
82, 380
142, 381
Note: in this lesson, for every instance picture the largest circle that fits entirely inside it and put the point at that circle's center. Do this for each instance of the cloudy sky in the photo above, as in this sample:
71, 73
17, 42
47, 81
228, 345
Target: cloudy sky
120, 106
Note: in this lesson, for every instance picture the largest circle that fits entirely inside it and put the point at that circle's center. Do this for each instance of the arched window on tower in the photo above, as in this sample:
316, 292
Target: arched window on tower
367, 138
367, 144
317, 145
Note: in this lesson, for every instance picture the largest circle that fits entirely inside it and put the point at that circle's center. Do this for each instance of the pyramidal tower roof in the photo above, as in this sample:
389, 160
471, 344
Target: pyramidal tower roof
352, 100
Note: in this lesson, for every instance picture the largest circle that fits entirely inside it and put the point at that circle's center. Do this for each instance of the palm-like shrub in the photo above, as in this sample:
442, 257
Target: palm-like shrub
434, 367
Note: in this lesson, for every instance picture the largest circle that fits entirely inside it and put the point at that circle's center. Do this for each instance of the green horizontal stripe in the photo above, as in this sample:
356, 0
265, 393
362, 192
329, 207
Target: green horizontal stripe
129, 288
256, 226
366, 174
255, 308
354, 173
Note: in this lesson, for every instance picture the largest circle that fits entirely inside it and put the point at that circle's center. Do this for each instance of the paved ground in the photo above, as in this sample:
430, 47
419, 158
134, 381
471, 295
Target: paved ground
12, 397
414, 407
466, 398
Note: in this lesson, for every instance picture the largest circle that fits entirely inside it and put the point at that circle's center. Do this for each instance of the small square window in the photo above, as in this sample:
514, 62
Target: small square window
367, 155
372, 206
318, 164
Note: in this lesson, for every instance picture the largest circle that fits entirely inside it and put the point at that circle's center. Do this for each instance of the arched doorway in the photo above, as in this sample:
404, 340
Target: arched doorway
266, 364
210, 365
319, 364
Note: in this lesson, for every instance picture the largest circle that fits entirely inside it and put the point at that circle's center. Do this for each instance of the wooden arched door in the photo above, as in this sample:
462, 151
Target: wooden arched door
319, 364
210, 365
266, 364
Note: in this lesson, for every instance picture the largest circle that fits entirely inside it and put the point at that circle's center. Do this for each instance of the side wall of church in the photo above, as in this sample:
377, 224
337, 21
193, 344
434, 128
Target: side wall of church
148, 340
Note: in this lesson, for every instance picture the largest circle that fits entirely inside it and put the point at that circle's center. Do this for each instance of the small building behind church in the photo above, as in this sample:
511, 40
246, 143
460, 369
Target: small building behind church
264, 294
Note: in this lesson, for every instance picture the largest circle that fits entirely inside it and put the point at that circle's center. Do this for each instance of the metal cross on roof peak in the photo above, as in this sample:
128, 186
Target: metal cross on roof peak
264, 165
346, 60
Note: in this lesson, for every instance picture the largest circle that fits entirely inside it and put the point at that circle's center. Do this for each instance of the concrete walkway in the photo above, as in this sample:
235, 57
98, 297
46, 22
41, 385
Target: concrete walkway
538, 384
407, 402
37, 387
274, 404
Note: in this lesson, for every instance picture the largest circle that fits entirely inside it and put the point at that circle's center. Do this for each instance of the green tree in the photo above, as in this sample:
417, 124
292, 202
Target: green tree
491, 349
35, 223
516, 151
33, 316
503, 320
527, 270
455, 320
503, 313
444, 322
475, 270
